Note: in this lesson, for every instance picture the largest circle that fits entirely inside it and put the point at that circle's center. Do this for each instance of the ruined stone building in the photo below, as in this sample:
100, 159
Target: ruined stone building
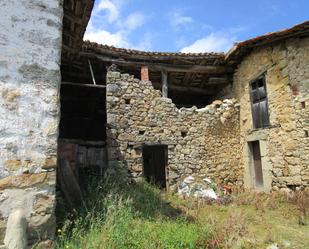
239, 118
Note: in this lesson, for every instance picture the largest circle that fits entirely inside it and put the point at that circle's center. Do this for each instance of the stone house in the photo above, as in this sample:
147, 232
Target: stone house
239, 118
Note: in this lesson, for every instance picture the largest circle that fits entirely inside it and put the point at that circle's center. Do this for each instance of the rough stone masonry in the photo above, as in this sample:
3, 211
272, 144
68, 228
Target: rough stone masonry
285, 143
201, 142
30, 48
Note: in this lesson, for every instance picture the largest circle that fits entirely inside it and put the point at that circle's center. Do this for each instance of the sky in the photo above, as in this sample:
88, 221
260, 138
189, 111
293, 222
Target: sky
189, 25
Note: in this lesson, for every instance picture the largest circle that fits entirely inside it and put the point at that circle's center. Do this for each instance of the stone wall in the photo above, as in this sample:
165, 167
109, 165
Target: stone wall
201, 142
30, 45
285, 144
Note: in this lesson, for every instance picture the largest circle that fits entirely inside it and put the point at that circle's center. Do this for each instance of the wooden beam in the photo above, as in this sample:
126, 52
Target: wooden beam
193, 90
82, 85
188, 77
159, 66
71, 17
217, 81
164, 84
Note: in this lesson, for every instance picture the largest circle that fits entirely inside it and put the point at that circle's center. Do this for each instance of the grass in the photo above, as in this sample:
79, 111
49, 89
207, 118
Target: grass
122, 215
119, 215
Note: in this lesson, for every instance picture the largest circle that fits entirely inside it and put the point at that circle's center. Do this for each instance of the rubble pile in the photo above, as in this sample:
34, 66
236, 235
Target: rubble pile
204, 189
197, 188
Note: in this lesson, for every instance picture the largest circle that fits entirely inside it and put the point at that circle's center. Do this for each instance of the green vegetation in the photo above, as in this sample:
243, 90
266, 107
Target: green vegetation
138, 215
121, 215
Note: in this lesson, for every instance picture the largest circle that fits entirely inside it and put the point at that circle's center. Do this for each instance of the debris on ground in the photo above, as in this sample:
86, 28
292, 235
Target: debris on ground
205, 189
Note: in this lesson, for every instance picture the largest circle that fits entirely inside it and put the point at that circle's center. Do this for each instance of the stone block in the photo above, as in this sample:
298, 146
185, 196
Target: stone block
23, 181
44, 204
16, 231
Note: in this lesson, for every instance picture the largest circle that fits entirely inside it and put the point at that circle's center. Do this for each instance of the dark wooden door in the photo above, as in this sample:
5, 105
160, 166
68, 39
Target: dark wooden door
155, 162
257, 163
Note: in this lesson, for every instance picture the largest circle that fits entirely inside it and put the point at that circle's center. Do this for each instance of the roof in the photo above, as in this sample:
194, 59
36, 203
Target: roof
92, 46
242, 48
75, 19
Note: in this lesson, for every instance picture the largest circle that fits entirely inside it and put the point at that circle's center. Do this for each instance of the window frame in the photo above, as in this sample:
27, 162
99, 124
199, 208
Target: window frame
261, 124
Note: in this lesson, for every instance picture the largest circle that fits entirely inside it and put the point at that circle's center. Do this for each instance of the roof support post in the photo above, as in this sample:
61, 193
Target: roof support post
164, 84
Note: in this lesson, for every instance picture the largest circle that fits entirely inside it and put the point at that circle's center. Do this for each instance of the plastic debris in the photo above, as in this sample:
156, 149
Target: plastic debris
197, 188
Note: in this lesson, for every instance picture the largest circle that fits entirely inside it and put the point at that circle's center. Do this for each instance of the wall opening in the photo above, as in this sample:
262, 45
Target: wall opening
83, 112
155, 163
256, 164
303, 104
184, 133
82, 135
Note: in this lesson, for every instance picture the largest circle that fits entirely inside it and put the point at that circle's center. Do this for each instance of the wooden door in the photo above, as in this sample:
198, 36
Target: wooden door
257, 163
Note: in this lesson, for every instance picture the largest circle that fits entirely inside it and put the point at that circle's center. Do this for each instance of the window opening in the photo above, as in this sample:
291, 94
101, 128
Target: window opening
259, 103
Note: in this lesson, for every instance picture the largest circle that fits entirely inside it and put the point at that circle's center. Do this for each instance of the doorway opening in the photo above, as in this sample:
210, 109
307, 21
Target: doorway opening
256, 164
155, 163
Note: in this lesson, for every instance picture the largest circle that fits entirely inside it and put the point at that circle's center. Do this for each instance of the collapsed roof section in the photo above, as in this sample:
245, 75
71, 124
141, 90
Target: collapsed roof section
192, 77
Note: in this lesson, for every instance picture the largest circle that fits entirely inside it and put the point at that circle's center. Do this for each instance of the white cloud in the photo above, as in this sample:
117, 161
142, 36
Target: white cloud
111, 9
146, 43
134, 21
214, 42
179, 20
119, 27
117, 39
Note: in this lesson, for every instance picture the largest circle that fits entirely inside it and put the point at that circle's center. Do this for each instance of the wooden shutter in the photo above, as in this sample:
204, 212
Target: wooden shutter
259, 104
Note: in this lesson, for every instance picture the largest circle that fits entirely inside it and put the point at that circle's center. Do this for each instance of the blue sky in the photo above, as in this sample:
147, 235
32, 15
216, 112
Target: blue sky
189, 25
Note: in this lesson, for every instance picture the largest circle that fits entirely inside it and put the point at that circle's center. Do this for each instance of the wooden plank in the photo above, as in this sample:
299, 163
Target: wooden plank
82, 142
218, 81
68, 183
164, 84
188, 77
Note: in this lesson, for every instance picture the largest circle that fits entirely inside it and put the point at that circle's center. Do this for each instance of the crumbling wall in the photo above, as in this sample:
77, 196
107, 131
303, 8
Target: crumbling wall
30, 45
285, 144
201, 142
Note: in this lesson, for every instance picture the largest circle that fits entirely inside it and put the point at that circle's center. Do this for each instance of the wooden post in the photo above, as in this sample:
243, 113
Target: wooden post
164, 84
